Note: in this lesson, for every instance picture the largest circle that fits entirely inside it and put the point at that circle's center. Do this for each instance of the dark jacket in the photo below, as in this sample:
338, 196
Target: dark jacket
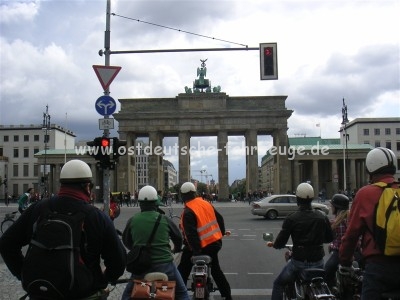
309, 230
102, 241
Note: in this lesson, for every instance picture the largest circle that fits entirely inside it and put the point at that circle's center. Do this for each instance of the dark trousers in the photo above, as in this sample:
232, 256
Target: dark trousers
212, 250
380, 277
331, 267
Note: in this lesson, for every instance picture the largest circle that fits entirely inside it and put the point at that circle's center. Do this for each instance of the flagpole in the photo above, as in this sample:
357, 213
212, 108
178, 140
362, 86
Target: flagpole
65, 140
319, 125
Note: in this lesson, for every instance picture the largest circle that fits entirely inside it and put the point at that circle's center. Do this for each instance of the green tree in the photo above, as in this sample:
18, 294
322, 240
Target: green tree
239, 188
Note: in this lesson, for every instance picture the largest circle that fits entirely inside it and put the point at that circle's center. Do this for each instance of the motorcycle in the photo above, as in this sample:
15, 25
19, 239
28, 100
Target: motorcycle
202, 282
309, 283
349, 285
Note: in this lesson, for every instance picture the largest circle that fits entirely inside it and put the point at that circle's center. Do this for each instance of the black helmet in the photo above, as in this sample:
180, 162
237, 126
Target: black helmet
340, 201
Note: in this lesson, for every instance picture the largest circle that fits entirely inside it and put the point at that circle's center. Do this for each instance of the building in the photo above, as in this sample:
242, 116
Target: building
170, 175
18, 164
141, 164
377, 132
319, 162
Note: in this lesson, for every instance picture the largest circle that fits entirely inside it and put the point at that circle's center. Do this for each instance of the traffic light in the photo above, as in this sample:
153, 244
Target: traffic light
100, 149
105, 151
94, 148
117, 151
268, 61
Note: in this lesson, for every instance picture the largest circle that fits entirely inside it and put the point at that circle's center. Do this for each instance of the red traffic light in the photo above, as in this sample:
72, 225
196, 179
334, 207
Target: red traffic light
268, 51
268, 61
105, 142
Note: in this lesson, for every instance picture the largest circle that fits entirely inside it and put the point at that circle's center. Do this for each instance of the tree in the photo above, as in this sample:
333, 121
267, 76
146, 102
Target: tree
239, 188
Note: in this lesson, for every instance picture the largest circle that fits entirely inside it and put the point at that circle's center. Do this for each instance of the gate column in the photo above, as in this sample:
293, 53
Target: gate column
122, 180
222, 141
131, 162
184, 156
315, 177
251, 161
156, 160
282, 184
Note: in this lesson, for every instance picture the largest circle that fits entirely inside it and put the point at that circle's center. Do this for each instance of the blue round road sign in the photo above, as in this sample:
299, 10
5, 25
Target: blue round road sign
105, 105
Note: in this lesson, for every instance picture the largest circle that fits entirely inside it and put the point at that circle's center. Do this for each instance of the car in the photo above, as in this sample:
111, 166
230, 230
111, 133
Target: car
280, 205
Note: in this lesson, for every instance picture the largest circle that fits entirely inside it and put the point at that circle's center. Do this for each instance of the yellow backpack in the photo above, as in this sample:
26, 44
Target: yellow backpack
387, 220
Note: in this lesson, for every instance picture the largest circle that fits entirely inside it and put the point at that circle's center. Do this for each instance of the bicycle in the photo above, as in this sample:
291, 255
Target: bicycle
171, 214
9, 219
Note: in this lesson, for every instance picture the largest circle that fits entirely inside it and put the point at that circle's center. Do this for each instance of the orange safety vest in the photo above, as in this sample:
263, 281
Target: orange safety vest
207, 225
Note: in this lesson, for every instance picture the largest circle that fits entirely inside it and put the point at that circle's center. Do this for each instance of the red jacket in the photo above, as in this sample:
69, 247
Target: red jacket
360, 223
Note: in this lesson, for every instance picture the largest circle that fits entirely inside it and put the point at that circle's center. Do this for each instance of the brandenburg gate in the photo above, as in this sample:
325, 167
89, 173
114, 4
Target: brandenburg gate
203, 112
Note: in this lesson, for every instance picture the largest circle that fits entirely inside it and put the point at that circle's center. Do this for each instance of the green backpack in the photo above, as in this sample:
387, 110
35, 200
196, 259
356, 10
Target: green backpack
387, 220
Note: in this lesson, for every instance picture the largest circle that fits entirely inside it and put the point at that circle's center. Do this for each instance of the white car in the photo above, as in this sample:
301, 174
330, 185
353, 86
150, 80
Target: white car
280, 205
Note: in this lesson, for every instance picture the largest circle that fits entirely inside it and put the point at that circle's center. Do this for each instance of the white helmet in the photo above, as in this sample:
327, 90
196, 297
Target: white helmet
148, 193
188, 187
381, 161
305, 191
75, 171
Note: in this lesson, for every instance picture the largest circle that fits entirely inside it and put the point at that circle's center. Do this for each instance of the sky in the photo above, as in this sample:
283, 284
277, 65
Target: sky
327, 51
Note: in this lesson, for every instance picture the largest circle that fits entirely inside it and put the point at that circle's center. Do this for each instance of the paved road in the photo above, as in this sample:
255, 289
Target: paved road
10, 288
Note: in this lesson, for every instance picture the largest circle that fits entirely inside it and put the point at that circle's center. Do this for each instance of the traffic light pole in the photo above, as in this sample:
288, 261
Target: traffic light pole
107, 52
106, 132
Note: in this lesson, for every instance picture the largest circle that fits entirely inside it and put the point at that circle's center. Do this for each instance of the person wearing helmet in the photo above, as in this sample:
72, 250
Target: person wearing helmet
382, 273
137, 232
101, 240
309, 230
340, 210
203, 228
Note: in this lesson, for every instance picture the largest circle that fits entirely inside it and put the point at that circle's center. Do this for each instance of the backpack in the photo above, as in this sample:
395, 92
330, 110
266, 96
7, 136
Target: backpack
53, 267
387, 220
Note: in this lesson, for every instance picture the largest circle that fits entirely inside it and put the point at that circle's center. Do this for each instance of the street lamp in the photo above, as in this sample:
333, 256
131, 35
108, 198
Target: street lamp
46, 127
345, 120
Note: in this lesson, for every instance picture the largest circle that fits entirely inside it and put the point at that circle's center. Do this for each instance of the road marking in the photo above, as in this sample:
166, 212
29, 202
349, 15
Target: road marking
245, 292
260, 273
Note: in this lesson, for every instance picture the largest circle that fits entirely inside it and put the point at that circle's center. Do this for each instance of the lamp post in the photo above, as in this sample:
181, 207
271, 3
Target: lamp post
345, 120
46, 127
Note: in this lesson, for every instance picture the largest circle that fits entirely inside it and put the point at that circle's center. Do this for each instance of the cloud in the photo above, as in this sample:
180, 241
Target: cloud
327, 51
17, 11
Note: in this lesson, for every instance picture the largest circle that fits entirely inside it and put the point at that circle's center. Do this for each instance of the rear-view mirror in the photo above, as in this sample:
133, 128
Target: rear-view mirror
268, 237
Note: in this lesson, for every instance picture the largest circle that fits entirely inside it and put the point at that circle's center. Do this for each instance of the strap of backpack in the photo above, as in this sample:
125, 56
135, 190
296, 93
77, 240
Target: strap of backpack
385, 185
154, 230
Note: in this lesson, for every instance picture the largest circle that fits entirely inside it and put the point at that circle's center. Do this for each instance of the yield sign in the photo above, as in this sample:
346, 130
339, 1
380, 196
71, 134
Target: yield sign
106, 74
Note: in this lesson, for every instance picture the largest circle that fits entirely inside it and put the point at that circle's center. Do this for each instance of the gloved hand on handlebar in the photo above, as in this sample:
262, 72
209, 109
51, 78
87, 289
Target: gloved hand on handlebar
270, 244
346, 271
174, 251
